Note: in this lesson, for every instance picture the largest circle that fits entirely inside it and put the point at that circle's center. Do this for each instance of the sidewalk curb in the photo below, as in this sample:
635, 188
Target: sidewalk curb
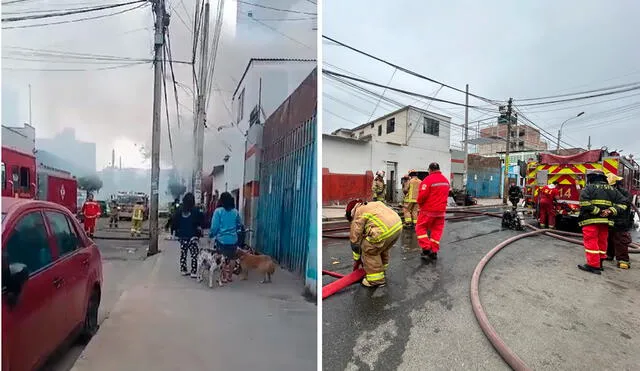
80, 365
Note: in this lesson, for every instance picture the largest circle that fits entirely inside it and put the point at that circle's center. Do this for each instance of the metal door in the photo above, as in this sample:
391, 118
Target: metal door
392, 170
285, 226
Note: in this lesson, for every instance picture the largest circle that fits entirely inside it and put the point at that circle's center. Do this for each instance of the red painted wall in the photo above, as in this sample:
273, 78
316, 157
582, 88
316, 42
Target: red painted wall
341, 188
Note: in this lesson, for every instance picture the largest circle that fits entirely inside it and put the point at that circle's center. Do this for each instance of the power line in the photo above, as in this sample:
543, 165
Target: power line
583, 98
173, 77
405, 70
275, 9
580, 92
585, 104
121, 66
144, 3
44, 53
327, 72
283, 34
70, 12
166, 107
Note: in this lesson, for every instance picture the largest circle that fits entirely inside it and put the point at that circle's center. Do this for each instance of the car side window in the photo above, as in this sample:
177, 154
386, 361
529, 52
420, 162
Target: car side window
64, 234
28, 244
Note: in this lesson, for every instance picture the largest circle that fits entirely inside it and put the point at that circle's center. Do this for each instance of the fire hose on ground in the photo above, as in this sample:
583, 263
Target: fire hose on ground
508, 355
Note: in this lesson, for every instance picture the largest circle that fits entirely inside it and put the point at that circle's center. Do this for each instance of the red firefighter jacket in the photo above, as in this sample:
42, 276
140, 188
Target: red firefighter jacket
433, 194
91, 209
548, 195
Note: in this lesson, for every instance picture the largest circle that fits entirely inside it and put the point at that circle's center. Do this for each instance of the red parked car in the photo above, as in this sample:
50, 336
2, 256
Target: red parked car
51, 282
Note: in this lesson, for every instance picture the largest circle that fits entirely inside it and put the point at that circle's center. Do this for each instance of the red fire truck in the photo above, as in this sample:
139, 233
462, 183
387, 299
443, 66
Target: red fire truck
570, 172
21, 178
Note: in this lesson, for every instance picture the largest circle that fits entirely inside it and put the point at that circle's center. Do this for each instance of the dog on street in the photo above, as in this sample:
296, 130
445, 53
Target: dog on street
261, 263
212, 261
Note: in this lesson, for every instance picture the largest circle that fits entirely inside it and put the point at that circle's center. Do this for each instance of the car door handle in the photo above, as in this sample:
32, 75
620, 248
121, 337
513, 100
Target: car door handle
58, 282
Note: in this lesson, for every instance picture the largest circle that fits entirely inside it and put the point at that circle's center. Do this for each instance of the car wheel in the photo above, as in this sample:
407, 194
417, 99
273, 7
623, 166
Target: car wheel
90, 325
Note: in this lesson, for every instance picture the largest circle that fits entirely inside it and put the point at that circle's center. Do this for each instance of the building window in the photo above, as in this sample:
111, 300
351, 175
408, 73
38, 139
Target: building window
391, 125
24, 178
379, 131
4, 177
241, 106
431, 127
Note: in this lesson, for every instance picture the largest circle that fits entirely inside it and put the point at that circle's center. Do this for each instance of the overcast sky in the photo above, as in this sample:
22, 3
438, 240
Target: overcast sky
113, 107
502, 49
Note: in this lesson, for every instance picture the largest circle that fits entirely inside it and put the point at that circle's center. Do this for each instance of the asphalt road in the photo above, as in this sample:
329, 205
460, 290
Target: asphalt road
553, 315
120, 260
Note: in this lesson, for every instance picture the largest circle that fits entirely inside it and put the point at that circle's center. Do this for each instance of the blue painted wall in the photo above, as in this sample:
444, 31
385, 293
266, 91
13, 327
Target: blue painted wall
287, 203
484, 182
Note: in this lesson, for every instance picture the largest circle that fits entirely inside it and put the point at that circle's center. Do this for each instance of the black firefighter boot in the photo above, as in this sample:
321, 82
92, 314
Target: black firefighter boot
588, 268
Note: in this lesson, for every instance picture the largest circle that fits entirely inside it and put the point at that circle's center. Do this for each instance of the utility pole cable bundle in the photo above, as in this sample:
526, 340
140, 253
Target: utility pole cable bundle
506, 154
161, 23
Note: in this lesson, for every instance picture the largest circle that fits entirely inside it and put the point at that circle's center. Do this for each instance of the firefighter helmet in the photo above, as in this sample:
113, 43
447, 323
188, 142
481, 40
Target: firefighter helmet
380, 173
350, 206
613, 178
413, 172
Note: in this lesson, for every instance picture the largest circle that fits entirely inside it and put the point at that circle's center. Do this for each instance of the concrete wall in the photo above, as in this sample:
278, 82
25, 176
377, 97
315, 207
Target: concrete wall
279, 80
21, 139
349, 160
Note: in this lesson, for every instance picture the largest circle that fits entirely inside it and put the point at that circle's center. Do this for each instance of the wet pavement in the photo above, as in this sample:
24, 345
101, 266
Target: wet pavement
553, 315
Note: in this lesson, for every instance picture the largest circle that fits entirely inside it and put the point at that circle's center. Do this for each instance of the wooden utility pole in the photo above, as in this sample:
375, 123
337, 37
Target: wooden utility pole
201, 114
161, 23
506, 154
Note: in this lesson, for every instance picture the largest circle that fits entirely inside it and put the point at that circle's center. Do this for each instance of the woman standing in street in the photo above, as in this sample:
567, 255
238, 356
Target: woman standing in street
224, 231
187, 223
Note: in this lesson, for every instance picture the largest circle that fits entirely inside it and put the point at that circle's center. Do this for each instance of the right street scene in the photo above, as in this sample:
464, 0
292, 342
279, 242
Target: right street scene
480, 186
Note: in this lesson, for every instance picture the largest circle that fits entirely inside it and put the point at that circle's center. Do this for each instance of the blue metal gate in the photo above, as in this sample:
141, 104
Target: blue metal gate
286, 202
484, 183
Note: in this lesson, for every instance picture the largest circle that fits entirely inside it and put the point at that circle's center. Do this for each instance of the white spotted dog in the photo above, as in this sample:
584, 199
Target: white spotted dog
210, 259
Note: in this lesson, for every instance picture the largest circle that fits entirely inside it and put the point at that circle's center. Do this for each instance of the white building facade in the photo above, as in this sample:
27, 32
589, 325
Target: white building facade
21, 139
409, 138
264, 85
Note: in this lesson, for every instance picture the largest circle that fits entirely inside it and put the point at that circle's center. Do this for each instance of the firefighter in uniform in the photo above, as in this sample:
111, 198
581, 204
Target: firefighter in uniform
378, 188
91, 211
598, 203
114, 214
136, 218
546, 210
515, 194
375, 228
432, 200
410, 190
620, 236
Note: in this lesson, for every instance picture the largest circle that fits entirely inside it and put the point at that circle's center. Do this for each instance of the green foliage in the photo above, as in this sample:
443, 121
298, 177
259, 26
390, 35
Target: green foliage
90, 183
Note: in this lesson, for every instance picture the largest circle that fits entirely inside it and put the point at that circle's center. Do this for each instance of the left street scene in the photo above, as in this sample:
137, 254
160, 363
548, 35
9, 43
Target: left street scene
159, 207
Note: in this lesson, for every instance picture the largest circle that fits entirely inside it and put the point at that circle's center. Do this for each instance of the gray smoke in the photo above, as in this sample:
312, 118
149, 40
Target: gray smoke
105, 106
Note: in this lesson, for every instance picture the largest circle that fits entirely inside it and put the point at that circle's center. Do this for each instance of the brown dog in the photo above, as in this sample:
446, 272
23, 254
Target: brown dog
261, 263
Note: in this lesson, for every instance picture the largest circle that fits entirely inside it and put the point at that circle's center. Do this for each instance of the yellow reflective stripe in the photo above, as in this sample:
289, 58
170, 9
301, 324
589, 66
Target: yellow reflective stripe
596, 210
585, 203
415, 221
594, 251
423, 236
375, 276
596, 221
614, 210
356, 256
432, 240
621, 206
395, 228
407, 220
374, 219
602, 202
386, 266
